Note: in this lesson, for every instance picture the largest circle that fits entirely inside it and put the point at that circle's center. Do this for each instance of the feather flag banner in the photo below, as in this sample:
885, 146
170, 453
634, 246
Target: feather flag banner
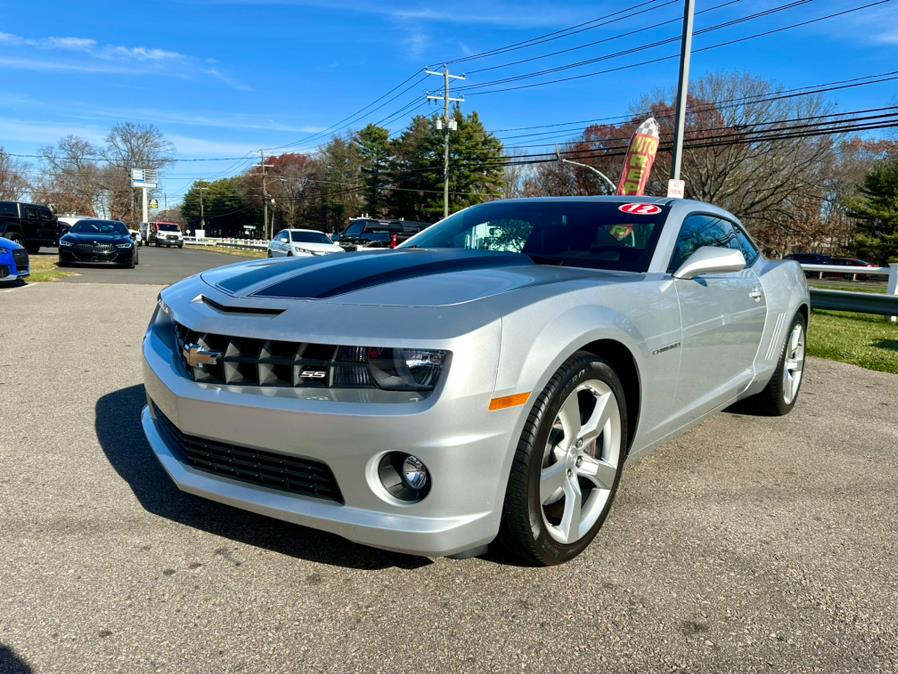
640, 158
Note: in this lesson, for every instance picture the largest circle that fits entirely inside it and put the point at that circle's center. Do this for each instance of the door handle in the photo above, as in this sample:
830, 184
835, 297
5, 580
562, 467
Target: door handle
755, 294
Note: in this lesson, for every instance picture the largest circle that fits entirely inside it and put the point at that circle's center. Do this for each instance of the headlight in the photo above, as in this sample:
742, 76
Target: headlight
303, 250
65, 244
124, 245
405, 369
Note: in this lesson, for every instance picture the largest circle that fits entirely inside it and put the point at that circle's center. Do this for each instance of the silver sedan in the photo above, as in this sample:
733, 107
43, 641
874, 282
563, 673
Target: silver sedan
485, 382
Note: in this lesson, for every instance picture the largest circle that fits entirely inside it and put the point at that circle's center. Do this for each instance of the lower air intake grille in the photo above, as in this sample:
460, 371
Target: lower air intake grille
255, 466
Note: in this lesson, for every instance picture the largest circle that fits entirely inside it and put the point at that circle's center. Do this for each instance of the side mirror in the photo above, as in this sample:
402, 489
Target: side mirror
711, 260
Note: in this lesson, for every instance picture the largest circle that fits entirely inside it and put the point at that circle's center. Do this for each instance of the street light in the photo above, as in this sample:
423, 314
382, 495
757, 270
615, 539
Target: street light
587, 166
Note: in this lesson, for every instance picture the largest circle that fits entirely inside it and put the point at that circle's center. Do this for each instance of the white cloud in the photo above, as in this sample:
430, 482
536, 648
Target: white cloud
78, 43
47, 133
204, 147
107, 58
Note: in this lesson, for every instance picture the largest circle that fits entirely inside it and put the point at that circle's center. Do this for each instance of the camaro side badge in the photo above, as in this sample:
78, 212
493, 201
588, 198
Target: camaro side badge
197, 356
669, 347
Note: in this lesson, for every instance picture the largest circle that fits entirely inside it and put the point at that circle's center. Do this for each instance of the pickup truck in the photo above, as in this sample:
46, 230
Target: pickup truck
373, 233
29, 225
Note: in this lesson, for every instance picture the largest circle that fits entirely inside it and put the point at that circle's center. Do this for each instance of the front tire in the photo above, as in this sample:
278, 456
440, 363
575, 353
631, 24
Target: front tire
779, 396
568, 463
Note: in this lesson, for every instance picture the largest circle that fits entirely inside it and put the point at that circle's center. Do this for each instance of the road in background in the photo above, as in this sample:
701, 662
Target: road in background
748, 544
157, 266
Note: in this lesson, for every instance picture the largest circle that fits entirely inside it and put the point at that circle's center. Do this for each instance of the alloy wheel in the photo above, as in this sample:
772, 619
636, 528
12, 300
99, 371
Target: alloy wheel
793, 366
581, 461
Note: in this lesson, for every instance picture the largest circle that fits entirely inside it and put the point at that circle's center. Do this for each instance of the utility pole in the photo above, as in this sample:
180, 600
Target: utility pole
264, 166
447, 125
675, 186
202, 208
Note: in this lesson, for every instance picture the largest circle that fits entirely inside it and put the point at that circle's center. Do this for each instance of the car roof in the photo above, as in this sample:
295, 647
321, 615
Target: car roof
298, 229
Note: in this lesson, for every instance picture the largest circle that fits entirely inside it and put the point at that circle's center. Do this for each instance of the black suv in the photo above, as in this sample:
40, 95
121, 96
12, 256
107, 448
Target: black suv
30, 225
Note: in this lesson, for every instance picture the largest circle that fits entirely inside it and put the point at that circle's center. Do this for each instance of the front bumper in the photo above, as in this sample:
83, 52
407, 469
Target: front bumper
468, 461
115, 256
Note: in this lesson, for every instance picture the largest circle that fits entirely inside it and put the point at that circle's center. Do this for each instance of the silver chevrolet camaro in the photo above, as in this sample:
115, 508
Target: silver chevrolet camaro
487, 380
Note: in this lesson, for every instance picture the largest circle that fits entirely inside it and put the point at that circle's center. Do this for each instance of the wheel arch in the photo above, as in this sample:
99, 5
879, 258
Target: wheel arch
805, 311
624, 364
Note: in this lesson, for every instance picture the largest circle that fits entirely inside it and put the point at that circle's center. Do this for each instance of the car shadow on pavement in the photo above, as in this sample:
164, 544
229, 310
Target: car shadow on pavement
121, 437
10, 663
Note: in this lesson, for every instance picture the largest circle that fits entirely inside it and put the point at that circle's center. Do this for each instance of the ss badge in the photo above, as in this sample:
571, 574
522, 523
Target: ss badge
317, 375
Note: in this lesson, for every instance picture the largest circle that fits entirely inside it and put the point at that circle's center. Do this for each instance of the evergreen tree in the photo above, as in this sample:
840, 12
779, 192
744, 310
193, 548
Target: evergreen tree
876, 210
373, 143
225, 212
475, 167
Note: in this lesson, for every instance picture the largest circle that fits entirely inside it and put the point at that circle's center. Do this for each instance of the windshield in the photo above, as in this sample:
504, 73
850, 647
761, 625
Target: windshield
309, 237
168, 228
99, 227
563, 232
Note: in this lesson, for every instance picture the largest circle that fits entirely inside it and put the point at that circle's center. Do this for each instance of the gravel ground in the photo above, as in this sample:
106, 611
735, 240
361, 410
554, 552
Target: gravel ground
747, 544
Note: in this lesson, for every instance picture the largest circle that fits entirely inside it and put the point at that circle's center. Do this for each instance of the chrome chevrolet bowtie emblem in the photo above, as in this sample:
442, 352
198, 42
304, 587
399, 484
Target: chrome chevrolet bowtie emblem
197, 356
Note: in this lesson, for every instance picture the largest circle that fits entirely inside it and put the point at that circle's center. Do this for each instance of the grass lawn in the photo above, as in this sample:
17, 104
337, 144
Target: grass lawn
233, 251
44, 268
861, 339
854, 287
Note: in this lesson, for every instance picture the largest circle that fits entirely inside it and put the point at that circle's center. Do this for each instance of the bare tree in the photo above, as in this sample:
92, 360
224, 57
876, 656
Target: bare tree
13, 181
72, 180
130, 146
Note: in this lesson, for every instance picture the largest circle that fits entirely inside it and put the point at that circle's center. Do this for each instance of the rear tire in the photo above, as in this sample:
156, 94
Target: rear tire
779, 396
567, 465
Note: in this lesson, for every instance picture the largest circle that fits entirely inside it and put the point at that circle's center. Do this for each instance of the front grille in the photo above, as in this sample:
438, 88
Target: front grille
20, 257
243, 361
255, 466
93, 248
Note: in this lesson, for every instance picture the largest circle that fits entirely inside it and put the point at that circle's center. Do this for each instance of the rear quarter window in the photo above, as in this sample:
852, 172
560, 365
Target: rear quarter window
9, 208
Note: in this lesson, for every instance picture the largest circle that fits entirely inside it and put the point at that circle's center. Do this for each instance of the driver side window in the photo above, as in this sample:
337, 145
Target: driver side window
700, 230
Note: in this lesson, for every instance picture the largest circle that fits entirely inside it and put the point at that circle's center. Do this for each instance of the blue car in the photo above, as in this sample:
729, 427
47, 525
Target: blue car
13, 261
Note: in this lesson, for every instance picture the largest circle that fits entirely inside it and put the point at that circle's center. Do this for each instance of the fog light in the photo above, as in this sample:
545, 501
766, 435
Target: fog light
404, 476
414, 472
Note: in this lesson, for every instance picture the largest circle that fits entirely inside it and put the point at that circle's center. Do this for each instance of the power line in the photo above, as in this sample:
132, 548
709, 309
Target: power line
674, 56
350, 119
676, 19
563, 32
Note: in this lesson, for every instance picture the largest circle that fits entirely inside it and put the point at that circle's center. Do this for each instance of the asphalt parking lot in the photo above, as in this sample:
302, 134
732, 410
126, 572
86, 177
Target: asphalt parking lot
747, 544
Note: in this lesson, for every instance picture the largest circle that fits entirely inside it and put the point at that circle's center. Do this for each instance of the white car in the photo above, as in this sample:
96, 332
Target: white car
301, 242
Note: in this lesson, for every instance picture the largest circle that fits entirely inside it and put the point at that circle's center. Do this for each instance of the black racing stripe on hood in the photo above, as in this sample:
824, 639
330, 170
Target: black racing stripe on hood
369, 270
264, 272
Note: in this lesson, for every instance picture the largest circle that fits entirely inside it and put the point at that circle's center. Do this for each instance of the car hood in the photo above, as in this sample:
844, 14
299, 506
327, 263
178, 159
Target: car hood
99, 238
8, 246
410, 277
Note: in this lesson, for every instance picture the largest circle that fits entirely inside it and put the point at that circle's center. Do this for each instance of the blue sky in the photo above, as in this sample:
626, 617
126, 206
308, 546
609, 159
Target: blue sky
223, 78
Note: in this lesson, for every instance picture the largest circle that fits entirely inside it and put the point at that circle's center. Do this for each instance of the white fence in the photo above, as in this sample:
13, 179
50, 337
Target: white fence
244, 244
